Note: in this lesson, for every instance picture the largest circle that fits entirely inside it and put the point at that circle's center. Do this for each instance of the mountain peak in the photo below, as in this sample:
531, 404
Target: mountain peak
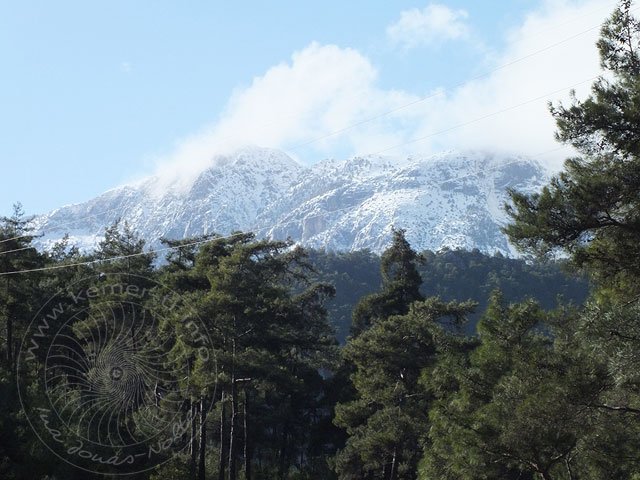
449, 200
254, 156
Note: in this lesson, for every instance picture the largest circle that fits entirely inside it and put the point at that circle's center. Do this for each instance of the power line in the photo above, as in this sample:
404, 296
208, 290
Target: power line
386, 113
488, 115
15, 250
375, 153
436, 94
16, 238
58, 225
227, 237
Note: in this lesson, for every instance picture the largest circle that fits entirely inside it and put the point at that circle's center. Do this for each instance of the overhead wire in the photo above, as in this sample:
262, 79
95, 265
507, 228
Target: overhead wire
58, 225
376, 117
456, 85
396, 109
233, 235
374, 153
483, 117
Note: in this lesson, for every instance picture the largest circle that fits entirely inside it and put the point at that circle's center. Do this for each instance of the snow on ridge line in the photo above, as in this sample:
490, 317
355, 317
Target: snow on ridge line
450, 200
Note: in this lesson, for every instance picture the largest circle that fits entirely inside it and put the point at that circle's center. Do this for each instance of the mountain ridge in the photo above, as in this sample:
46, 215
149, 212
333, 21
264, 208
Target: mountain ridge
452, 199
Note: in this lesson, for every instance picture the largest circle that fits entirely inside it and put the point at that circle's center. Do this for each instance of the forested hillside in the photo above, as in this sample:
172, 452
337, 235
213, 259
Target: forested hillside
450, 275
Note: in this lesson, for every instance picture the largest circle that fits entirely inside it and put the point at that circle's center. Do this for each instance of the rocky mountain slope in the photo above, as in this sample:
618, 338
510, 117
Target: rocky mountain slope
449, 200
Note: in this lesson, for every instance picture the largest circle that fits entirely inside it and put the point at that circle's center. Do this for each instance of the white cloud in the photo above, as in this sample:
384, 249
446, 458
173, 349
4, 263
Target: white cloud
324, 88
564, 35
325, 97
432, 24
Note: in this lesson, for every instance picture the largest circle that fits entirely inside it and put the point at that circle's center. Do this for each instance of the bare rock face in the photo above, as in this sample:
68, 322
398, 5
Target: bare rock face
451, 200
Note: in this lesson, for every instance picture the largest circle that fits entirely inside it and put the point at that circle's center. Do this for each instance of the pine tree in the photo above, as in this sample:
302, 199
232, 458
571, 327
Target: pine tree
22, 456
400, 285
525, 400
591, 210
270, 338
18, 293
387, 420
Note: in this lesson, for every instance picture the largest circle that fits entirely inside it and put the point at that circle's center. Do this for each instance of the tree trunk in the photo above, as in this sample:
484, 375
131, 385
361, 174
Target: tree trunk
222, 459
203, 438
247, 447
233, 431
9, 342
193, 452
385, 467
567, 463
9, 329
394, 465
283, 467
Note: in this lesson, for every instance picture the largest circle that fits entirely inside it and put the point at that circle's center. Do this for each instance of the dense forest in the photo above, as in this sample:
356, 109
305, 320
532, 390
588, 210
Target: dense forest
273, 319
450, 275
234, 357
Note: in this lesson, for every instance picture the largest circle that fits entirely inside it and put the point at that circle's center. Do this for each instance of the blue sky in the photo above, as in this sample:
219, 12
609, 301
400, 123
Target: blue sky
95, 94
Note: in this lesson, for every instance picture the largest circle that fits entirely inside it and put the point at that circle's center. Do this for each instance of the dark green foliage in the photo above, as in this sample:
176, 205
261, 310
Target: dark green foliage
400, 286
530, 398
386, 420
418, 391
269, 344
22, 456
590, 212
18, 296
259, 391
472, 275
397, 335
511, 406
354, 275
591, 209
450, 275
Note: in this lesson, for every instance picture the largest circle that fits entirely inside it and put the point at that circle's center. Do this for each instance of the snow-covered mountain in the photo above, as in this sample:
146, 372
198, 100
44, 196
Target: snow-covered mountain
449, 200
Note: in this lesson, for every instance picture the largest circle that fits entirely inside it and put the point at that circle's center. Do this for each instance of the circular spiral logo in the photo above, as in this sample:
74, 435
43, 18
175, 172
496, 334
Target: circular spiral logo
112, 359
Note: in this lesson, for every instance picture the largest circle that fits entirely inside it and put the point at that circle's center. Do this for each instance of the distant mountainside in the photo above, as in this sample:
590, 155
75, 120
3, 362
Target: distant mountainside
449, 200
452, 276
